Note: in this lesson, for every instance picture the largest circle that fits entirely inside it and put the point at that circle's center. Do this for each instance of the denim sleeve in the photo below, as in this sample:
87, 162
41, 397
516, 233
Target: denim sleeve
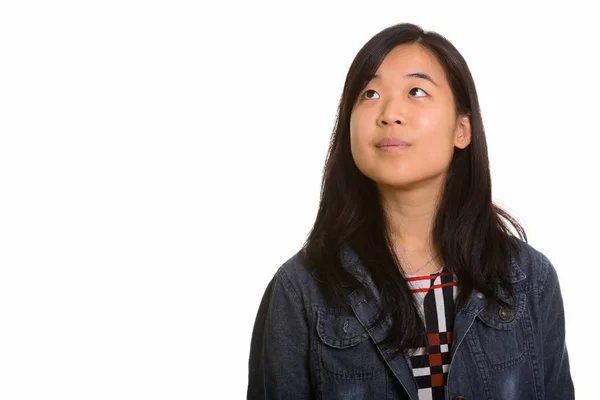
278, 365
557, 376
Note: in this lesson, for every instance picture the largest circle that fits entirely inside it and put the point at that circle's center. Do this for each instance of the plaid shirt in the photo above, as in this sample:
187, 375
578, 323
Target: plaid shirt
434, 296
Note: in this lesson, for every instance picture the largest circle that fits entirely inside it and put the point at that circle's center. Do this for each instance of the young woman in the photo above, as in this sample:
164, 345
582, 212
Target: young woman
411, 284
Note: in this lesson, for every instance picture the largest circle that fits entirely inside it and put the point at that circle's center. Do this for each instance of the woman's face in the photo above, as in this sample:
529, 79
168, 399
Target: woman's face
401, 103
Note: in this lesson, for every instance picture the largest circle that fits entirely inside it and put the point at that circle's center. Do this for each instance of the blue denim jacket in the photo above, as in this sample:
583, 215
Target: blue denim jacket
302, 348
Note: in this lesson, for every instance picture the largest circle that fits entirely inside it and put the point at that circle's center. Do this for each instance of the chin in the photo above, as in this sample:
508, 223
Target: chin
398, 185
395, 182
404, 182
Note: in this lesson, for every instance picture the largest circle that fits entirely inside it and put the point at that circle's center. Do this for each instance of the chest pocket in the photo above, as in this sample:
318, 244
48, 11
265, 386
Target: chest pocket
345, 348
499, 333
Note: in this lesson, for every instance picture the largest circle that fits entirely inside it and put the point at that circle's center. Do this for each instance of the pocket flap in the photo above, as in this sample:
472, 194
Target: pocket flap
496, 317
340, 331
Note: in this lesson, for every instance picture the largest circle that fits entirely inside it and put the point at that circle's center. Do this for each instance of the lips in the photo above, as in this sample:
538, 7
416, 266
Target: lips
389, 142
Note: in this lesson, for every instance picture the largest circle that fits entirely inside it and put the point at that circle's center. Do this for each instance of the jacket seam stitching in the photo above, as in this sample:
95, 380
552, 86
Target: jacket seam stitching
546, 272
288, 285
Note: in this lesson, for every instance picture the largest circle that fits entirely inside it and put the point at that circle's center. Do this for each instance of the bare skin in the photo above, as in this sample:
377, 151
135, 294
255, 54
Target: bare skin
409, 178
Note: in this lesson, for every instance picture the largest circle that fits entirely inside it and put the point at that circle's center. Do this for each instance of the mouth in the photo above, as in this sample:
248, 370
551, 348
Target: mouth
392, 144
394, 147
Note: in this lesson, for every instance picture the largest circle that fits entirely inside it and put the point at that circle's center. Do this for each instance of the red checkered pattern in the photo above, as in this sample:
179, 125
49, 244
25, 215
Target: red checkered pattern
434, 296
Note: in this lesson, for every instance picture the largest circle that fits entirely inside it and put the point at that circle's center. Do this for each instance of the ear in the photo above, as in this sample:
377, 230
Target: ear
462, 133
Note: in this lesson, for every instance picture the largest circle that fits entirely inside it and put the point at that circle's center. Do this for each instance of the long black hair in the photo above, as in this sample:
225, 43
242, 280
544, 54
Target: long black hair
471, 231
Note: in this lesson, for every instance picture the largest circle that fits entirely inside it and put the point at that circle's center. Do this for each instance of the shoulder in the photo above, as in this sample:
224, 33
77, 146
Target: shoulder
294, 269
536, 267
298, 278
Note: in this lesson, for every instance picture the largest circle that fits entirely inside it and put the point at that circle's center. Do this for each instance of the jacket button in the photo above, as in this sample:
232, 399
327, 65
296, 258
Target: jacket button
504, 313
459, 398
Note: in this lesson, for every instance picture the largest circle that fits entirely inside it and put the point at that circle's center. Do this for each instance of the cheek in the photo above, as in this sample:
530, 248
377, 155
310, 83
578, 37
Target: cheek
429, 122
437, 149
435, 137
359, 130
360, 136
435, 128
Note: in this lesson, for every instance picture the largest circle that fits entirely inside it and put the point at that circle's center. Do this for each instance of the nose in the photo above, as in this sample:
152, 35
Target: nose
391, 114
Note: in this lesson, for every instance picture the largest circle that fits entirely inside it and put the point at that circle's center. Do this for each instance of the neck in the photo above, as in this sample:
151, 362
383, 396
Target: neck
410, 217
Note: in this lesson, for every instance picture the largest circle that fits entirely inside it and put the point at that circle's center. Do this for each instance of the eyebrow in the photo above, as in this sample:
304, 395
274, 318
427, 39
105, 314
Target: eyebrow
419, 75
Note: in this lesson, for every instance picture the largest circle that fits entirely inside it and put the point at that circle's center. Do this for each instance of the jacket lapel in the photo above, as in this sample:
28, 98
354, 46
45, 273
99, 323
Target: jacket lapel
365, 303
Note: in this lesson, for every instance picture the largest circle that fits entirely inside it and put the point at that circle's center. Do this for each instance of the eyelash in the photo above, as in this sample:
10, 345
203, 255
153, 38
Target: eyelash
371, 90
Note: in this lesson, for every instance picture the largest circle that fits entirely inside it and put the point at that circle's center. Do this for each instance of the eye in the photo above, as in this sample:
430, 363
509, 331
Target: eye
370, 94
415, 89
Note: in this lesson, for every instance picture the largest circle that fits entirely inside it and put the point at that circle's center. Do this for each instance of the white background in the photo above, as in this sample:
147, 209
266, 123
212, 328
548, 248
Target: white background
159, 160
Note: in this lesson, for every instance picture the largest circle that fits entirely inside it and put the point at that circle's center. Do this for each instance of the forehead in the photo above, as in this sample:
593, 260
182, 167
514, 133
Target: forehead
409, 59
